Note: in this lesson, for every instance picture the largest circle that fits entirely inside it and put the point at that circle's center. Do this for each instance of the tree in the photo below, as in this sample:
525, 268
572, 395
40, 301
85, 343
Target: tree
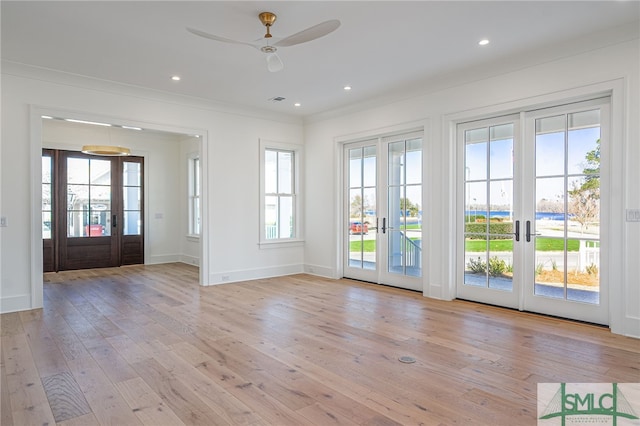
584, 196
406, 204
356, 206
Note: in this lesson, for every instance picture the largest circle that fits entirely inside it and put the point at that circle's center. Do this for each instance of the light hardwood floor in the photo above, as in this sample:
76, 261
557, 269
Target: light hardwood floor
147, 345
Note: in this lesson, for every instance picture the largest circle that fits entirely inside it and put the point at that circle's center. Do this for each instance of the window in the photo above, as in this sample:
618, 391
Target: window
279, 200
194, 196
47, 194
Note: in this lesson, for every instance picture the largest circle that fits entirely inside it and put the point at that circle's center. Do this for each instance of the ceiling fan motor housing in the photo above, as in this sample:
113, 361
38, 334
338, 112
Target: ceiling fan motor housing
267, 19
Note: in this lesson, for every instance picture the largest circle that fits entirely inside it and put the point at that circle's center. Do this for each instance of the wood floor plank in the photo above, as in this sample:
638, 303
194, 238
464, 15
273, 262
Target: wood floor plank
184, 402
86, 420
46, 354
148, 345
146, 404
29, 402
105, 401
65, 397
6, 415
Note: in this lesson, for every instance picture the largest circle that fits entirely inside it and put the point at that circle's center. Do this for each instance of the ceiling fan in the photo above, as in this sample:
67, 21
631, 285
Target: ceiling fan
274, 63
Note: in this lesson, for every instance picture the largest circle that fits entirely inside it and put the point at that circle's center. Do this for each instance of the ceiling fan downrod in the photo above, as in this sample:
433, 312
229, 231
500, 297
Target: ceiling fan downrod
267, 19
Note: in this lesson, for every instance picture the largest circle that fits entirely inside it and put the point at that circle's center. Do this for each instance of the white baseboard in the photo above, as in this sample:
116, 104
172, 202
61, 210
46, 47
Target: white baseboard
163, 258
227, 277
190, 260
15, 303
321, 271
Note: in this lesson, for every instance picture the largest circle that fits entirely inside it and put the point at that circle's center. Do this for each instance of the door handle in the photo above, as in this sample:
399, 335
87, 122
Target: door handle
115, 220
517, 233
384, 225
377, 225
528, 231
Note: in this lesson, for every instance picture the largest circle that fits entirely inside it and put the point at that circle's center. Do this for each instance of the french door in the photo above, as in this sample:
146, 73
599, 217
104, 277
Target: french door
530, 227
383, 210
92, 212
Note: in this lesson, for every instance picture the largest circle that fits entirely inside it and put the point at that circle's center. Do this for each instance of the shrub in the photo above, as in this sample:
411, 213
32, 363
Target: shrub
496, 266
477, 266
497, 230
592, 269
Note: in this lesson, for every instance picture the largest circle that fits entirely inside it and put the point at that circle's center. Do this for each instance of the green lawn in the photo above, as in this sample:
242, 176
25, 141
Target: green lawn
542, 244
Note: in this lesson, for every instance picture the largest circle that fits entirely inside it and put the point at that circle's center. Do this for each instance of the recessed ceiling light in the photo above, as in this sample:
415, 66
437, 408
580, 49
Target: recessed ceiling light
48, 117
347, 87
483, 42
297, 104
175, 78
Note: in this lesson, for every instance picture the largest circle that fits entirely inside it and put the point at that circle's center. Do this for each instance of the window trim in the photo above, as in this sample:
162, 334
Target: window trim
298, 239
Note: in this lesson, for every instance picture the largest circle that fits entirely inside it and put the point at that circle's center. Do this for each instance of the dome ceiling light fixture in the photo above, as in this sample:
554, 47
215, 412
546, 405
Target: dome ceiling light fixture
106, 150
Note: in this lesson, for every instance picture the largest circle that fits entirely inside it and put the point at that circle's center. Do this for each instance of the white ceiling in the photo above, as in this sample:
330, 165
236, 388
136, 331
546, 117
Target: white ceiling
384, 49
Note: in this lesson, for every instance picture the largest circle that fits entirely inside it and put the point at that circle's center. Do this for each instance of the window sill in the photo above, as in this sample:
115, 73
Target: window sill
280, 244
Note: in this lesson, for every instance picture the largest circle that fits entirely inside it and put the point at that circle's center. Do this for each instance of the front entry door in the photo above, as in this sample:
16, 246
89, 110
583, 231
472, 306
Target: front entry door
383, 208
92, 211
531, 222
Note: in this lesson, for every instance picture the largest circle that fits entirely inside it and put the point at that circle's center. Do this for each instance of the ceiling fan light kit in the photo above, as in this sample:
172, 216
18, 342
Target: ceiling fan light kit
274, 63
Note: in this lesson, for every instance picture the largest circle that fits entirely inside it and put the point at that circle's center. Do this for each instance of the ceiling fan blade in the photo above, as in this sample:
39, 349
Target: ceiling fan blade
311, 33
274, 63
217, 38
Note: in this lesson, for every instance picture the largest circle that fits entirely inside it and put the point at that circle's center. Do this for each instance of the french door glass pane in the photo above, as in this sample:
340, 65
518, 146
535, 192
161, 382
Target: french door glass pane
362, 207
488, 220
568, 206
100, 171
78, 171
404, 195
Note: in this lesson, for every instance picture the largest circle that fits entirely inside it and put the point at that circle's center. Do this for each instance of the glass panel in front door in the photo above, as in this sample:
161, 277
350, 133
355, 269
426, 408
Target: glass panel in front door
404, 196
567, 196
488, 227
88, 197
362, 207
131, 198
47, 196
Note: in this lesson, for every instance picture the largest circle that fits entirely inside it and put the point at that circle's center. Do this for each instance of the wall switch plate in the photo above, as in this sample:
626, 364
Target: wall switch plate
3, 221
633, 215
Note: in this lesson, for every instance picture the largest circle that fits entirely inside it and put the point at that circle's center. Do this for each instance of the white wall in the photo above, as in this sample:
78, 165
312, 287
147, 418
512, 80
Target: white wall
230, 157
554, 82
